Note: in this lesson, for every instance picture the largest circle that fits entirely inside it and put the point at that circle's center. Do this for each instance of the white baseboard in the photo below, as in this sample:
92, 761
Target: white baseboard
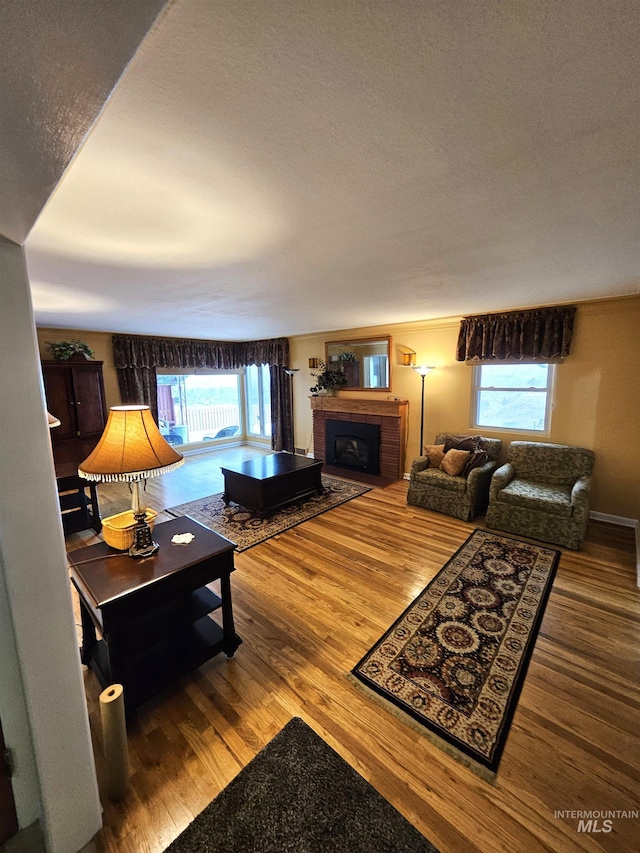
623, 522
206, 448
614, 519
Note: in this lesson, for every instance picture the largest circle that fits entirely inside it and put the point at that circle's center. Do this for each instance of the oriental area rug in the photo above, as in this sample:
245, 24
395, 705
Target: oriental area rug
456, 659
299, 795
246, 528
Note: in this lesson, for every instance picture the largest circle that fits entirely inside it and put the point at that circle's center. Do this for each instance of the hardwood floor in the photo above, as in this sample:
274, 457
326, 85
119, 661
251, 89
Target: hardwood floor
309, 603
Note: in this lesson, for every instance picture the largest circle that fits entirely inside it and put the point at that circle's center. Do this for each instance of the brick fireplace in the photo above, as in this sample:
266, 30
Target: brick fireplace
390, 418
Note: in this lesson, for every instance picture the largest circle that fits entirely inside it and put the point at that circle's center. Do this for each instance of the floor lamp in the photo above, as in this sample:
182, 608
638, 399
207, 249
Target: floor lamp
422, 370
291, 372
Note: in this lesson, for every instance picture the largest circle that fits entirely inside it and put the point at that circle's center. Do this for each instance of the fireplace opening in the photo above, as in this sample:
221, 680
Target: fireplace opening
353, 445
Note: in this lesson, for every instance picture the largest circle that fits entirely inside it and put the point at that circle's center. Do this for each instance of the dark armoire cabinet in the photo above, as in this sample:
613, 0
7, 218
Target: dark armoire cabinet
75, 394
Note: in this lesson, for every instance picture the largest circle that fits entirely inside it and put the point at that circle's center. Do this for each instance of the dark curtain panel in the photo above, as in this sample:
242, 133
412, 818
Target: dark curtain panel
543, 333
138, 385
137, 356
281, 414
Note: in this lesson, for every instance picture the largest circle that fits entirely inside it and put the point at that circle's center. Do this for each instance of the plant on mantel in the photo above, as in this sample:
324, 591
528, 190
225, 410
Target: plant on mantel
330, 379
64, 350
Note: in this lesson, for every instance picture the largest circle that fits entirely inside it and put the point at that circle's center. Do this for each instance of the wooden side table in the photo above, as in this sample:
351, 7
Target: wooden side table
153, 615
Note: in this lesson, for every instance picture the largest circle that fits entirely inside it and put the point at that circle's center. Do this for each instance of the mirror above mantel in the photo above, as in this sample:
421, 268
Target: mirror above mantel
365, 361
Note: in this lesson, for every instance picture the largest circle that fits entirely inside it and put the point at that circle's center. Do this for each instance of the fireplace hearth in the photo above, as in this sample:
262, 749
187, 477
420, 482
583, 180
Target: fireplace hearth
353, 445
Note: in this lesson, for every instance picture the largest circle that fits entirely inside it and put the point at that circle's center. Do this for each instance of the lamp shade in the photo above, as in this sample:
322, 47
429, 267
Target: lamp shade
423, 369
52, 420
131, 448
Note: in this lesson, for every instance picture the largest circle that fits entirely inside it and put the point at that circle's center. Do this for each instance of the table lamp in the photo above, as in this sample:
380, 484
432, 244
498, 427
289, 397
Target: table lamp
131, 450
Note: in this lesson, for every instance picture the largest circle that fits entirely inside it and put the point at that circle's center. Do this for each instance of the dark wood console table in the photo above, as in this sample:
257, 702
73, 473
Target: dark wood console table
153, 615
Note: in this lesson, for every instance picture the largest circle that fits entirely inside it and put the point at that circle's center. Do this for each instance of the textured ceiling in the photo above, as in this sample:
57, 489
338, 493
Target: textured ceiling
60, 60
269, 168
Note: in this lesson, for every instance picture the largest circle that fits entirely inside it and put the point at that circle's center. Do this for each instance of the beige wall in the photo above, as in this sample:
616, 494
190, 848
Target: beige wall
597, 401
597, 396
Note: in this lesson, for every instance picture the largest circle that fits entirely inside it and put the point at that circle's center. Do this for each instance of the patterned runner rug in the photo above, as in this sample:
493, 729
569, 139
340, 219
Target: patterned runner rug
246, 528
456, 659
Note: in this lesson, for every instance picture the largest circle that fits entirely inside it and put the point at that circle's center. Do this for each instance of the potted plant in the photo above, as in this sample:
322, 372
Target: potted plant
64, 350
330, 379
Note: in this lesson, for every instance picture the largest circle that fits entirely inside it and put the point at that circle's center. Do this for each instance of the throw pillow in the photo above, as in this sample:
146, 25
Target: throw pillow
435, 454
462, 442
454, 461
477, 458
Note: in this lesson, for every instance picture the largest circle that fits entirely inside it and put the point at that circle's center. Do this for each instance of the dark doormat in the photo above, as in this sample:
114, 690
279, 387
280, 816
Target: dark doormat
299, 796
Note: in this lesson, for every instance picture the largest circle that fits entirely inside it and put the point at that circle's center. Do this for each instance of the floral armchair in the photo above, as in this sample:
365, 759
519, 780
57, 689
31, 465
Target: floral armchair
543, 492
459, 496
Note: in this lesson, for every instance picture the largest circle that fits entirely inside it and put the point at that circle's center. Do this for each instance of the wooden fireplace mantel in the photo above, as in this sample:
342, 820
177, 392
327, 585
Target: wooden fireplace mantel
390, 415
389, 408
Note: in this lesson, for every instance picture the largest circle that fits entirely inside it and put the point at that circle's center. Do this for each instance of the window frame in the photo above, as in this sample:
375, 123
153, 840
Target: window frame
549, 389
210, 371
261, 403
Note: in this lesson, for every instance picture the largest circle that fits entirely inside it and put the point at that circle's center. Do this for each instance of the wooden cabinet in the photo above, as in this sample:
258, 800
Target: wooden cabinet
75, 394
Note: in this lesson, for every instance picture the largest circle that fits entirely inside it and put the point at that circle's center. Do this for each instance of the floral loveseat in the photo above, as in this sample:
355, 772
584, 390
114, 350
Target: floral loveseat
459, 496
543, 492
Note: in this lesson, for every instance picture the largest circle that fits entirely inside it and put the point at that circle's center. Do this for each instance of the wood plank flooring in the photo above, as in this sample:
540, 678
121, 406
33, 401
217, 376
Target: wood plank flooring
309, 603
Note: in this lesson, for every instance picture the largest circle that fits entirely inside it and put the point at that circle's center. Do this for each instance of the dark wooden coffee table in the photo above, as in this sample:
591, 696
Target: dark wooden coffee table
269, 482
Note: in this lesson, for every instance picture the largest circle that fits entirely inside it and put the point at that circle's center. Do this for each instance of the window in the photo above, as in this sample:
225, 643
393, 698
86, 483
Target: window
195, 407
376, 370
513, 396
258, 396
203, 405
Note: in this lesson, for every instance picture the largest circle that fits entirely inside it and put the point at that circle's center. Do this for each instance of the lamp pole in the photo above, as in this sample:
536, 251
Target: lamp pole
291, 372
422, 370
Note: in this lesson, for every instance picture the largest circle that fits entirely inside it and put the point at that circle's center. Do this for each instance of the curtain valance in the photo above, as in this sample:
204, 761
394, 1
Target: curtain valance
542, 333
138, 351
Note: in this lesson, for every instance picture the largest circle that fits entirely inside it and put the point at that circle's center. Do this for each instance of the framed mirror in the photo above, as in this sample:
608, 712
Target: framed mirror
365, 361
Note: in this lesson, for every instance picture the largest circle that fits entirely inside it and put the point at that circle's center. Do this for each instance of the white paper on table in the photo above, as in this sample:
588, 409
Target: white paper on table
182, 538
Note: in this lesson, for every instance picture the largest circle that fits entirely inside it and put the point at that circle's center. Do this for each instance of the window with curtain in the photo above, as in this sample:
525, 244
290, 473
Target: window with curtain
139, 359
513, 397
